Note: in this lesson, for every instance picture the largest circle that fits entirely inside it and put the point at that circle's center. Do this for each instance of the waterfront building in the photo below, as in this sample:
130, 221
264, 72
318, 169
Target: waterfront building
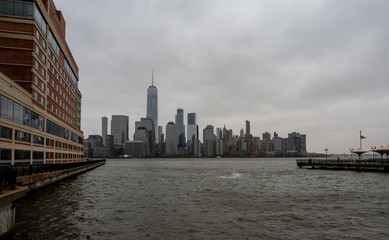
171, 139
141, 135
209, 141
180, 128
152, 105
277, 144
104, 127
40, 116
135, 149
148, 124
119, 129
192, 131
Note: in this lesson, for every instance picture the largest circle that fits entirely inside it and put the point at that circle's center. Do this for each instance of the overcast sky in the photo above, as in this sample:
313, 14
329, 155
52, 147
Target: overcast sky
318, 67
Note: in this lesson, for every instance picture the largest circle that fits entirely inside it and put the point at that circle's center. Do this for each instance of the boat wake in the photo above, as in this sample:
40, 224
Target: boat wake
233, 175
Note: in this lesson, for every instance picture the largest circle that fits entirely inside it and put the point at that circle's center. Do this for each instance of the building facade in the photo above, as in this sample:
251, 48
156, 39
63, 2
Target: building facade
40, 101
119, 129
180, 128
104, 127
152, 106
191, 131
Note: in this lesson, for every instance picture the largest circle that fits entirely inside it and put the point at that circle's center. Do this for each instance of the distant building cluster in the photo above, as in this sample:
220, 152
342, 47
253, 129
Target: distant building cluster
183, 141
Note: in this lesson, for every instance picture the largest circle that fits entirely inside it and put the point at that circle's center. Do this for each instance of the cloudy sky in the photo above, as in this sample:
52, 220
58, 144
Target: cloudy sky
319, 67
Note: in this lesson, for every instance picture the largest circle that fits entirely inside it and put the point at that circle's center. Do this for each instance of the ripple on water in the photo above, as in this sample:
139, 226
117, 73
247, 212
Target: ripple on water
208, 199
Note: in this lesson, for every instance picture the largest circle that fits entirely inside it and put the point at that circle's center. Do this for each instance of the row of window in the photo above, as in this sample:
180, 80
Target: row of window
59, 131
21, 136
24, 156
40, 20
16, 8
15, 112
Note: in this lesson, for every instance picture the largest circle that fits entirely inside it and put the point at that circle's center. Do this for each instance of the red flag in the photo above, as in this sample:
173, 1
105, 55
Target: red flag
363, 137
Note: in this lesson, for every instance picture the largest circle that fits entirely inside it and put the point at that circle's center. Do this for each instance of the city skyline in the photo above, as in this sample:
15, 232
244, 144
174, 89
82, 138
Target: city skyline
301, 67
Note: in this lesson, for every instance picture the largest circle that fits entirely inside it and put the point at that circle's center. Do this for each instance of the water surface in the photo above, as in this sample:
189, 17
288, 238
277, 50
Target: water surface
208, 199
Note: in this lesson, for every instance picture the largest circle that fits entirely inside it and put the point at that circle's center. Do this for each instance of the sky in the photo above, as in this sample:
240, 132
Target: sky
318, 67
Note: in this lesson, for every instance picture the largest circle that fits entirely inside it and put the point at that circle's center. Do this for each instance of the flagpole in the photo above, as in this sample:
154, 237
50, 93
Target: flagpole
360, 139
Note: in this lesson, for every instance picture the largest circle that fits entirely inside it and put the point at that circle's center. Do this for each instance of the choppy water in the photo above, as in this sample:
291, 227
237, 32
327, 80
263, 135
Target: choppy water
208, 199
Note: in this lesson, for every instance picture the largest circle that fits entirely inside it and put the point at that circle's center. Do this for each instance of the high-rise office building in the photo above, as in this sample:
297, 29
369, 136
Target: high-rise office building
40, 101
119, 129
104, 123
192, 130
180, 128
247, 129
152, 105
171, 139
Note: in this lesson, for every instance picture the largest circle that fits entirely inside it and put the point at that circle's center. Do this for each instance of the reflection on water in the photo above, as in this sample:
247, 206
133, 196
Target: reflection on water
208, 199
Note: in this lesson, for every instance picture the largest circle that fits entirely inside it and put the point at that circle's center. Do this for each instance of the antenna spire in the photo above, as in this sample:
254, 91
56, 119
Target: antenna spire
152, 77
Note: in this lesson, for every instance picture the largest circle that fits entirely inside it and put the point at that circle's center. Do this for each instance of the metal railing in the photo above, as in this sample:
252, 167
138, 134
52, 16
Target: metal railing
343, 162
7, 177
29, 169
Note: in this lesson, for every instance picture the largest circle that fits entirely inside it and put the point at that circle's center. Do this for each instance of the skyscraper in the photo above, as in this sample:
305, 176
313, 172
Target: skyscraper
192, 131
152, 105
171, 139
104, 123
180, 128
119, 129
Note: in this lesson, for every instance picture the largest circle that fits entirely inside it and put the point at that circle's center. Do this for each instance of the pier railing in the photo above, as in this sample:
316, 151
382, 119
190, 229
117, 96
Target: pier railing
7, 177
368, 164
29, 169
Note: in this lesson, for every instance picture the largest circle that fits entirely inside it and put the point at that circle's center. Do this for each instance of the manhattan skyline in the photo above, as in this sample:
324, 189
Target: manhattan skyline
313, 67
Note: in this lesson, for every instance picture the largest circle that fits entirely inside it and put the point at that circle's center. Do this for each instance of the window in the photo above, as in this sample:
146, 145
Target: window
6, 108
36, 96
40, 20
5, 156
37, 65
38, 140
22, 136
42, 100
22, 156
36, 80
18, 113
37, 49
44, 44
5, 133
37, 157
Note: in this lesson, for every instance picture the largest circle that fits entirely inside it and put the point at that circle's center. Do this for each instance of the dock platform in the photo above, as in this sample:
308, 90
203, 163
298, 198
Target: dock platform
381, 165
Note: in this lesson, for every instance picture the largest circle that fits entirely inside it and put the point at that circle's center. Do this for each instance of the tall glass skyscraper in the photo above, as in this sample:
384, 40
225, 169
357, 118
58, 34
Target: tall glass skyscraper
192, 131
152, 106
104, 121
180, 128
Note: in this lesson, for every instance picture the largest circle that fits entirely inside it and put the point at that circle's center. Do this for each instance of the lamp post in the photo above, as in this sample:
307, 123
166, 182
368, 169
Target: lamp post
326, 149
351, 153
373, 148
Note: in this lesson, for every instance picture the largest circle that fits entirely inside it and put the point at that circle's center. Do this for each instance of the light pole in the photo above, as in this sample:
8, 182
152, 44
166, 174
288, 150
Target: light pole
326, 149
373, 148
351, 153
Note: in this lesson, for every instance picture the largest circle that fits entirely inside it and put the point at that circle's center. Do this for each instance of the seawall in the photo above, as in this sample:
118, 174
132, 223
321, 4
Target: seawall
34, 181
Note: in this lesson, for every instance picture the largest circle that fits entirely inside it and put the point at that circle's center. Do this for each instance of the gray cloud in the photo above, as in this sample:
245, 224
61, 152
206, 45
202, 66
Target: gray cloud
317, 67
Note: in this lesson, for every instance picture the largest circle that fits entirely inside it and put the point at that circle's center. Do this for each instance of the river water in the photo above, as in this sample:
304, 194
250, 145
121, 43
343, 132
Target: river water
208, 199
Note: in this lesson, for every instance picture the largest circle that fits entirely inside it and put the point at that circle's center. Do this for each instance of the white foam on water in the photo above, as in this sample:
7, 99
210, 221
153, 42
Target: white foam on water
233, 175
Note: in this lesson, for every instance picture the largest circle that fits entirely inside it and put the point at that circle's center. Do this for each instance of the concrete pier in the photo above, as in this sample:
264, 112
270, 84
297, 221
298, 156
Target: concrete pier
29, 183
7, 211
345, 164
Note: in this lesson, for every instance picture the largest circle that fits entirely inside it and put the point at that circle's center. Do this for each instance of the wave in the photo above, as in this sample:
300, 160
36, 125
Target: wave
233, 175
